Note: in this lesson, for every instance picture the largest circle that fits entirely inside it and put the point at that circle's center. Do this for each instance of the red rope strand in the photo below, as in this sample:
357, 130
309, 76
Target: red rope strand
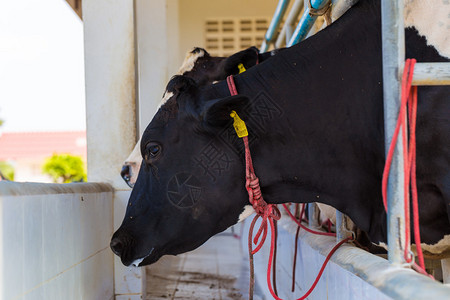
304, 227
408, 105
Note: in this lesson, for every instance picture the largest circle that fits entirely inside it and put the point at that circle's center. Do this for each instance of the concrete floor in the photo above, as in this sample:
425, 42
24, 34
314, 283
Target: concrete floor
216, 270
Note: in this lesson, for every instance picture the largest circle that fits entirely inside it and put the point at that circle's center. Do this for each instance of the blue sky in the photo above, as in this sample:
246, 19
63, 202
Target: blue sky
41, 66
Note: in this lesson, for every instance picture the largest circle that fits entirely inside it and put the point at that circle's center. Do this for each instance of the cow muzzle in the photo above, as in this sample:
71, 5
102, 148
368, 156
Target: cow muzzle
122, 245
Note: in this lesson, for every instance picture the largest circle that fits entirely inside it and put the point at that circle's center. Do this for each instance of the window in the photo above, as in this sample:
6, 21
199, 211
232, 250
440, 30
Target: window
225, 36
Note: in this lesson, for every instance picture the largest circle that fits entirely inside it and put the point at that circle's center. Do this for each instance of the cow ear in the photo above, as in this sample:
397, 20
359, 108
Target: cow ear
217, 112
180, 83
248, 58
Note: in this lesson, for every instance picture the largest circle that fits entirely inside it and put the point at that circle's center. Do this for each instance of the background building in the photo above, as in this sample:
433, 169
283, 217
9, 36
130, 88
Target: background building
27, 151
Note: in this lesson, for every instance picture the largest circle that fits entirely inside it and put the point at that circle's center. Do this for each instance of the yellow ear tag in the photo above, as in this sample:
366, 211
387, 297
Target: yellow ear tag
239, 125
241, 68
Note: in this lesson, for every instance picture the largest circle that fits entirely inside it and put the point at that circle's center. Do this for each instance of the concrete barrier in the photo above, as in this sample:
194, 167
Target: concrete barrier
352, 273
55, 241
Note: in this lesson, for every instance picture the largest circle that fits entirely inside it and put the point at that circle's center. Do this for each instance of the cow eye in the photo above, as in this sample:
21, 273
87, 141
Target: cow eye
152, 150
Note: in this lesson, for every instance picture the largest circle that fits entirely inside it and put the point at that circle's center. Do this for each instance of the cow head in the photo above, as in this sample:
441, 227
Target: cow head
178, 203
203, 69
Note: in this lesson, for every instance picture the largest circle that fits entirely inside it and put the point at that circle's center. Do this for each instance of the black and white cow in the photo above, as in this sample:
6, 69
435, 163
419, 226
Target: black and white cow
203, 69
315, 119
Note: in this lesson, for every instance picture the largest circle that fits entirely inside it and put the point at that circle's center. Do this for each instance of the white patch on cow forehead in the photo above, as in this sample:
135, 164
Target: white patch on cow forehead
189, 61
432, 20
247, 212
167, 96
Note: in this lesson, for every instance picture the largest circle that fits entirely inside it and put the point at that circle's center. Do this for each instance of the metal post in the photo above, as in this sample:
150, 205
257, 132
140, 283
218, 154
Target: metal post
340, 7
393, 61
313, 215
273, 27
306, 22
340, 226
288, 27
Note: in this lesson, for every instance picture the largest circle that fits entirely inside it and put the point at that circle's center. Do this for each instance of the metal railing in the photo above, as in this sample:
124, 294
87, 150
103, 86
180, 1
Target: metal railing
393, 62
393, 46
289, 37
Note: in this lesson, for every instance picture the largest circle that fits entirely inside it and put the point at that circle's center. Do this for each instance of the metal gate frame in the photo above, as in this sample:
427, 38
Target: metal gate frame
376, 271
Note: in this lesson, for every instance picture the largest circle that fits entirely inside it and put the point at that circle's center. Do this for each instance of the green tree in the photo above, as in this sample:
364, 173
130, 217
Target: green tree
65, 168
6, 170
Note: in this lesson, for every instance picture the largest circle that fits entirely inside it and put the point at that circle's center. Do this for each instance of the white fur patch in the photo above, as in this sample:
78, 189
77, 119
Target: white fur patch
438, 248
247, 212
431, 18
189, 61
134, 159
139, 260
167, 96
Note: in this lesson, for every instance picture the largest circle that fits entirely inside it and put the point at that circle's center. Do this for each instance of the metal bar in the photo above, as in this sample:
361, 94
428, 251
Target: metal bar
274, 24
306, 22
340, 226
393, 61
396, 283
340, 7
313, 215
288, 27
431, 74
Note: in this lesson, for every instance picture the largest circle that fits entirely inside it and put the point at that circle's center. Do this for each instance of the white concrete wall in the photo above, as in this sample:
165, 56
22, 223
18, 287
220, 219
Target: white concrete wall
157, 45
110, 87
54, 241
110, 66
193, 14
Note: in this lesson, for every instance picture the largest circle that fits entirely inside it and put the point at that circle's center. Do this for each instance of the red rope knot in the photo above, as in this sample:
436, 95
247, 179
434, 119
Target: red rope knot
268, 212
254, 190
255, 197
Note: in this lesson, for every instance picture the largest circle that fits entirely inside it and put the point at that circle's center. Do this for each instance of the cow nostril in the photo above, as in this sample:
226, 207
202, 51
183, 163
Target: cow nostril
116, 246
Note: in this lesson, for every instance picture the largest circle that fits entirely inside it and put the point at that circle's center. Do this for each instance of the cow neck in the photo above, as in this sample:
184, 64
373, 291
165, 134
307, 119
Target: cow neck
292, 108
252, 182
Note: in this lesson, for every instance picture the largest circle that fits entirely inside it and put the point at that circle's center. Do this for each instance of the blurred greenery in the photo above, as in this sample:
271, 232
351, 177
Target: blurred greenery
7, 170
64, 168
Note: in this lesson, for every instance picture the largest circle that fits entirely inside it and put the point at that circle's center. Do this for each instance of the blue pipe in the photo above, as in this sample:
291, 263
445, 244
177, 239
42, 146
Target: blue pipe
306, 22
274, 24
